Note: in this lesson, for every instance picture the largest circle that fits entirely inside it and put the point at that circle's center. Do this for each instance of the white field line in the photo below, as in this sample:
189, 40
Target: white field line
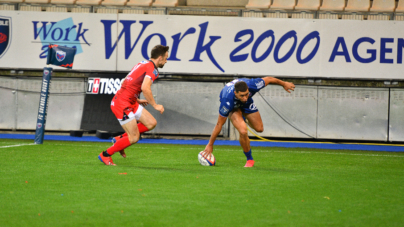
256, 150
308, 152
18, 145
336, 153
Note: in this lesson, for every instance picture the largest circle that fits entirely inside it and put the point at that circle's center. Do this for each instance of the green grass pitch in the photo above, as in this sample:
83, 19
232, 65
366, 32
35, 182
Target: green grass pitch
64, 184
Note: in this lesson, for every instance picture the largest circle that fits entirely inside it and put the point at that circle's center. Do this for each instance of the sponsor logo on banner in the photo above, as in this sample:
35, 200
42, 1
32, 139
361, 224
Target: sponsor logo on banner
203, 46
46, 72
129, 47
62, 33
60, 55
39, 125
5, 34
106, 86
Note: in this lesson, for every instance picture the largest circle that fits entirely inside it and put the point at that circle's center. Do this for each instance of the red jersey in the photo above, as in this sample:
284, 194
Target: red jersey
132, 85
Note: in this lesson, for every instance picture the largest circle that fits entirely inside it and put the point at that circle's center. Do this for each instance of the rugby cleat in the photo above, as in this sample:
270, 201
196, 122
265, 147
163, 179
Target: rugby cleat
106, 160
122, 152
250, 163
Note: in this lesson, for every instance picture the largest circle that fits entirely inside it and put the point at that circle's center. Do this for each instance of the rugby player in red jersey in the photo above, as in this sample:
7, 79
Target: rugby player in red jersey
133, 118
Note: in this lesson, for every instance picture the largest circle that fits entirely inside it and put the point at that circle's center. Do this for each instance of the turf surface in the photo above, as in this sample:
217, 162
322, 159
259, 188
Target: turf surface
64, 184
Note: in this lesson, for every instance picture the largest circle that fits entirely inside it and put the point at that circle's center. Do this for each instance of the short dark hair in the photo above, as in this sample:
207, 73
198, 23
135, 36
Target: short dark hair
159, 50
240, 86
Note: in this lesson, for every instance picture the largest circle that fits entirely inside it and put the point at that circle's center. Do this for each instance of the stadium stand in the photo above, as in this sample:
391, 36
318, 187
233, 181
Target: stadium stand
113, 2
206, 11
88, 2
166, 3
37, 1
156, 11
333, 5
7, 7
356, 7
107, 10
276, 14
330, 9
283, 4
400, 6
258, 4
308, 5
382, 10
308, 9
303, 15
383, 6
133, 11
253, 13
218, 3
67, 2
139, 3
255, 7
81, 9
55, 8
30, 8
399, 12
11, 1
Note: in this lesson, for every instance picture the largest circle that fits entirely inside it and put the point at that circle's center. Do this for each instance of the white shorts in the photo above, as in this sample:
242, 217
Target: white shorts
132, 115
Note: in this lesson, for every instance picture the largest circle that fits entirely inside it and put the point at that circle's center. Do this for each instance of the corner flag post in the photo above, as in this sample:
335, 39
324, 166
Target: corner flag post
60, 56
43, 105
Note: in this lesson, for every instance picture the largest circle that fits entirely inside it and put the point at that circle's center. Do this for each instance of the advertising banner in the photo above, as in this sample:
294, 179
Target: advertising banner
32, 32
237, 46
97, 114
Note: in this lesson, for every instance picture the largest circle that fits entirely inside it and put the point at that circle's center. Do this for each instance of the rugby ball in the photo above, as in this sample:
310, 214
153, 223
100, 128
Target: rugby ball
210, 161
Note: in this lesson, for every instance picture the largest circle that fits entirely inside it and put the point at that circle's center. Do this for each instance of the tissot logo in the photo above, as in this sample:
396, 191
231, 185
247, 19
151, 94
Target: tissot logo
106, 86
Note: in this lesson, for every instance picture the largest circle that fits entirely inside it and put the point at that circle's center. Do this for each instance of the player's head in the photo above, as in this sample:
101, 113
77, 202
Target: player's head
159, 54
241, 91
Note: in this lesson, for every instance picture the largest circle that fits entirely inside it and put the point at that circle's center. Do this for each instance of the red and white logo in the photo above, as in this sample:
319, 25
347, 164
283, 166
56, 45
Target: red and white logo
96, 85
105, 86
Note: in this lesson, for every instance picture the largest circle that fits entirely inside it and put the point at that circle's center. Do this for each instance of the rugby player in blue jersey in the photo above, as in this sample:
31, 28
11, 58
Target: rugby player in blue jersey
236, 103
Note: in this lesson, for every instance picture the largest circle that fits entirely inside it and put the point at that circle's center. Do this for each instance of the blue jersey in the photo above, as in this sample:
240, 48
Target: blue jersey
229, 102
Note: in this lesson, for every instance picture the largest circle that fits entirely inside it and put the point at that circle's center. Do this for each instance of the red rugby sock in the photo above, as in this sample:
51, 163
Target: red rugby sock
121, 144
142, 128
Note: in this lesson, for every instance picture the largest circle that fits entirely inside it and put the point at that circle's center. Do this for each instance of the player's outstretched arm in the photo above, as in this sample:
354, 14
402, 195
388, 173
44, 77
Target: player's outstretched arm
218, 127
146, 89
288, 86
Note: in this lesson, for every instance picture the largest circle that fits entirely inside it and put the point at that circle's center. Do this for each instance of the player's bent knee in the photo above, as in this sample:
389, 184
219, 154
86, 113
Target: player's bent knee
153, 124
260, 129
243, 133
133, 139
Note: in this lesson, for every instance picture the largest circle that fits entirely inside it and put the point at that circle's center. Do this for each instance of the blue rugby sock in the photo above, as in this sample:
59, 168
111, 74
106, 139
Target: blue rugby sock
248, 155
